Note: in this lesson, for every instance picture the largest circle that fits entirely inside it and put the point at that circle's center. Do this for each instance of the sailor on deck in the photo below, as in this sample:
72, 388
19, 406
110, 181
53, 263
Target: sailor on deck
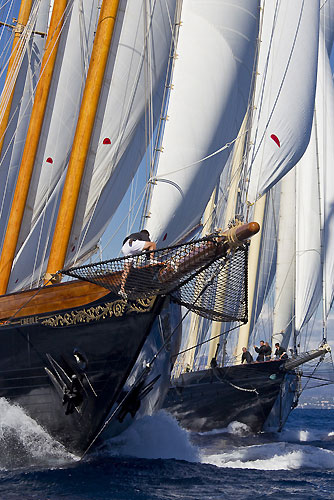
246, 356
280, 352
261, 351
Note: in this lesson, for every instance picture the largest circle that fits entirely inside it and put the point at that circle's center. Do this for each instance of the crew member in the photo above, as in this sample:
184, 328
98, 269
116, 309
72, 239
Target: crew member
261, 351
246, 356
280, 352
135, 244
268, 351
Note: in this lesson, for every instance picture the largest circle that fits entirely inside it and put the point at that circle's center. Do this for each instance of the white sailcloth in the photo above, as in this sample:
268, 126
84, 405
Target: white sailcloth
284, 310
14, 138
62, 110
119, 138
285, 91
327, 23
211, 85
325, 131
308, 235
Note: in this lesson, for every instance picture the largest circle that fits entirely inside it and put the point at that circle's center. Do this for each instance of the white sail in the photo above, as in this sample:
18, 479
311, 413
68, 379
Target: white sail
284, 310
20, 112
327, 23
62, 110
308, 232
285, 90
211, 84
119, 139
325, 131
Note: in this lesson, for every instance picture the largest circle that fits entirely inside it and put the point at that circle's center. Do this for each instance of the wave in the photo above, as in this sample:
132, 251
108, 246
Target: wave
25, 443
157, 436
275, 456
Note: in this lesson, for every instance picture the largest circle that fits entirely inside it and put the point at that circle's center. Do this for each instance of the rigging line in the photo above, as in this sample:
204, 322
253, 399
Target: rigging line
17, 62
142, 196
145, 370
41, 214
9, 320
226, 146
316, 386
269, 200
262, 86
318, 378
5, 54
321, 6
316, 366
23, 42
29, 101
4, 5
123, 126
223, 379
124, 219
156, 144
206, 341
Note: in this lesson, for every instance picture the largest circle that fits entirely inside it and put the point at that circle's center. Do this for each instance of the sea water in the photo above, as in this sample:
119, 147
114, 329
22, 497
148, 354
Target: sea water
156, 459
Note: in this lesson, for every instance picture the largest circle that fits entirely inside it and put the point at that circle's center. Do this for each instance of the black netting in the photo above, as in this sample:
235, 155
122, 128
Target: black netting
202, 275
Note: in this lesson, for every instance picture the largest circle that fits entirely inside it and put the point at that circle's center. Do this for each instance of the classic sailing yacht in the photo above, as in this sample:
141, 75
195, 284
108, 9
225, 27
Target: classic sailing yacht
261, 395
80, 106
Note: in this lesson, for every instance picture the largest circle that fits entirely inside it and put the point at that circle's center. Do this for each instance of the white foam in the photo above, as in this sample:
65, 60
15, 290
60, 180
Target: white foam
235, 428
24, 442
158, 436
274, 456
303, 435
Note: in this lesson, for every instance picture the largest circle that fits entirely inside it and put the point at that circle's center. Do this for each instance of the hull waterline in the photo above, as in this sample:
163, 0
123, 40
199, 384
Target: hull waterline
211, 399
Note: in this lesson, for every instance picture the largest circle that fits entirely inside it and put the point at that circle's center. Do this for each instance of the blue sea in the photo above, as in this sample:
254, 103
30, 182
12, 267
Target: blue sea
156, 459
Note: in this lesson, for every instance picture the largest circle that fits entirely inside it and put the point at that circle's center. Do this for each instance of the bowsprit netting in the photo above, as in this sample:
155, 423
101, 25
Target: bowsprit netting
202, 275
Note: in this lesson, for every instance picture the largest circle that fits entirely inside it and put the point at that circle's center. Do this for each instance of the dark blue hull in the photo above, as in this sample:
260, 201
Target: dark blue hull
211, 399
70, 369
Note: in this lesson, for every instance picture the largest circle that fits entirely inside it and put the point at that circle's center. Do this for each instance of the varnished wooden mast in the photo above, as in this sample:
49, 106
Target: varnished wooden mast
31, 144
5, 104
82, 136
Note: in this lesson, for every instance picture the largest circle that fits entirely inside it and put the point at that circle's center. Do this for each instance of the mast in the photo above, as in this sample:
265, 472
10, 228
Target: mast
9, 86
232, 200
253, 265
82, 136
195, 319
31, 144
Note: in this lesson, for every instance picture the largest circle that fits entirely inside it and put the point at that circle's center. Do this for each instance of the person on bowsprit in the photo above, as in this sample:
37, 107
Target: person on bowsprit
135, 244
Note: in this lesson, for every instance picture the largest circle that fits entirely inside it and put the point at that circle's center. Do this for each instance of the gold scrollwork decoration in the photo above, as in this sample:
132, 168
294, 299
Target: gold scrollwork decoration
117, 308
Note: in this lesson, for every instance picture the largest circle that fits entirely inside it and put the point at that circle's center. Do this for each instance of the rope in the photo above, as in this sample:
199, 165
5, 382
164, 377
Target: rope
141, 376
51, 278
221, 379
227, 145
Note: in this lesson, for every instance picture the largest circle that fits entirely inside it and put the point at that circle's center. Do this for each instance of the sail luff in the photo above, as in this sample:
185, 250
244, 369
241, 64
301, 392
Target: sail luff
31, 145
284, 308
9, 87
82, 136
